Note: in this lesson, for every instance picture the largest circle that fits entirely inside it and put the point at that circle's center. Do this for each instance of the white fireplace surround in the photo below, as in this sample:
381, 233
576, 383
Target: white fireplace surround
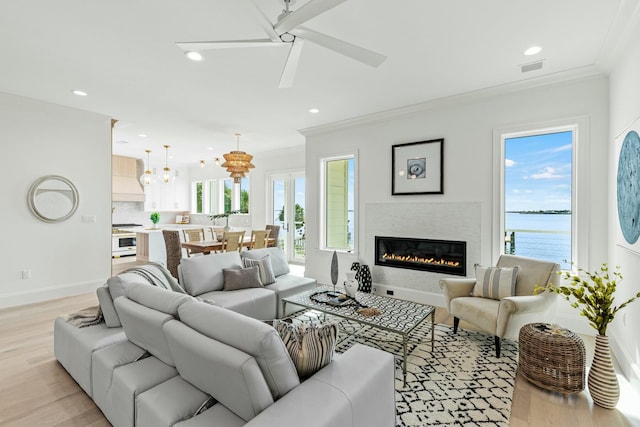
444, 221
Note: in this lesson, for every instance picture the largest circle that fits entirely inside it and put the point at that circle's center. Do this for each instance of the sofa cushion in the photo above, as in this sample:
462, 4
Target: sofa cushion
248, 335
495, 282
119, 282
73, 348
288, 285
143, 310
129, 381
311, 346
168, 403
204, 274
109, 313
278, 258
241, 278
264, 265
217, 415
228, 374
258, 303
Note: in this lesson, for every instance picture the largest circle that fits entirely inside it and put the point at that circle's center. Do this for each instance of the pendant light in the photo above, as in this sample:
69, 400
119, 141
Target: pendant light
146, 178
237, 162
166, 172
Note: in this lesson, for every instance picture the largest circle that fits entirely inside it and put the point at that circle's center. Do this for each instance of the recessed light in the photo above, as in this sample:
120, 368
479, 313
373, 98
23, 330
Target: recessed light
314, 111
79, 92
532, 50
210, 148
142, 135
193, 55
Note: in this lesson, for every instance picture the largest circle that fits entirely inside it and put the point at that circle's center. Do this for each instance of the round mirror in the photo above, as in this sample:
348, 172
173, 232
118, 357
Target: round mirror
53, 198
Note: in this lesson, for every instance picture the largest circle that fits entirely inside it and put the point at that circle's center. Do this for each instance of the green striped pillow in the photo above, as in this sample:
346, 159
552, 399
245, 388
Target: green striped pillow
495, 282
310, 346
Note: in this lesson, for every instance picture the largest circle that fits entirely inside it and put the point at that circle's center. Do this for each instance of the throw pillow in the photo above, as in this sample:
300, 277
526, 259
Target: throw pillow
264, 265
495, 282
310, 346
241, 278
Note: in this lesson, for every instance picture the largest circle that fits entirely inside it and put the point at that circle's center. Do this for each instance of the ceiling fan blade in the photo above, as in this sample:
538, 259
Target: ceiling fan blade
227, 44
290, 67
309, 11
352, 51
266, 25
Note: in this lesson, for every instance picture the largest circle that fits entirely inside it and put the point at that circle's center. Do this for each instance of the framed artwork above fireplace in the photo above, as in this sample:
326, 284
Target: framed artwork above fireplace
417, 167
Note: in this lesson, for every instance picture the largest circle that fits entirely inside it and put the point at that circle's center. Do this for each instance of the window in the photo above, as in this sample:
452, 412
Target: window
198, 196
227, 190
236, 197
339, 203
244, 195
538, 194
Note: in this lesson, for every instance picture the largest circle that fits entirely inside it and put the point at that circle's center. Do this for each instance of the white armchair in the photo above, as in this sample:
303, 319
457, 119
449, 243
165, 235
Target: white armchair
503, 318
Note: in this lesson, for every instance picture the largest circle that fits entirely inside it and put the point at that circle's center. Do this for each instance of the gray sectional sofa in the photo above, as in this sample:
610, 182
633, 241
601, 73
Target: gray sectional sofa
166, 358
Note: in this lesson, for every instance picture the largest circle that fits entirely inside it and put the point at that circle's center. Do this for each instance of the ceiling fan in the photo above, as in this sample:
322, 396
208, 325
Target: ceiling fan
289, 32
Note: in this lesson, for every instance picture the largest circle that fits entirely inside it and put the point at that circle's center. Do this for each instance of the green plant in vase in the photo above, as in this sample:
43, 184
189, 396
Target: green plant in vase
155, 219
226, 216
594, 295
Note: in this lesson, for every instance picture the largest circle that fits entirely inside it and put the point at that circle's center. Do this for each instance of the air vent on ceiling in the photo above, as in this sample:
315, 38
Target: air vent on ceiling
531, 66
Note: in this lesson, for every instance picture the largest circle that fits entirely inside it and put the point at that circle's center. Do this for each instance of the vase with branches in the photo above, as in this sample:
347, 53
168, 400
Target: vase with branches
224, 215
593, 293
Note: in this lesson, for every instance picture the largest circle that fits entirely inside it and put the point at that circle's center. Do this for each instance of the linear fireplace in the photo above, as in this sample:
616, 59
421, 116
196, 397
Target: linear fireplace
438, 256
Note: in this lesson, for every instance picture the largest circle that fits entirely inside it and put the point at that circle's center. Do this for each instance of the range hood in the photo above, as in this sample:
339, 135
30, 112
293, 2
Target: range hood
125, 186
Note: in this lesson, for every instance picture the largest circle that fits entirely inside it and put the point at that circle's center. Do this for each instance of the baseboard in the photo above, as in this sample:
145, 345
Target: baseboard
630, 369
414, 295
44, 294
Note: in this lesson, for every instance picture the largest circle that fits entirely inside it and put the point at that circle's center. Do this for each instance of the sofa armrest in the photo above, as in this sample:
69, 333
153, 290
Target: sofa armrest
525, 307
527, 303
355, 390
455, 288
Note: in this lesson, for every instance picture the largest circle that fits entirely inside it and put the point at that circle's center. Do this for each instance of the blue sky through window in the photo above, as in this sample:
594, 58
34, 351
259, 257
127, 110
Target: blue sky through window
538, 172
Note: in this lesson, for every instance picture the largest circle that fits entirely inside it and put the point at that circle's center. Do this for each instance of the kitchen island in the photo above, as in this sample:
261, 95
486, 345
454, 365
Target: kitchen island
150, 242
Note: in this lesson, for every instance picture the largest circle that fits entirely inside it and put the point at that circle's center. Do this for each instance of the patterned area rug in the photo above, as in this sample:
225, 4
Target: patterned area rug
460, 383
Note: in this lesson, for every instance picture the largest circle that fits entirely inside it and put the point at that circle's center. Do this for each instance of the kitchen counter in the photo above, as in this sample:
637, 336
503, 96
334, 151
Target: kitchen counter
150, 246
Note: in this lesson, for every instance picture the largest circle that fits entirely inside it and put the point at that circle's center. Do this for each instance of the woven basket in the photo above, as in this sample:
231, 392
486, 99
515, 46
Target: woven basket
552, 358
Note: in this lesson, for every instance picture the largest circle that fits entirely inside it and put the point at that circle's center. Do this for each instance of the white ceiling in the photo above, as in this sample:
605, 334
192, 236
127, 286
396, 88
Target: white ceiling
123, 53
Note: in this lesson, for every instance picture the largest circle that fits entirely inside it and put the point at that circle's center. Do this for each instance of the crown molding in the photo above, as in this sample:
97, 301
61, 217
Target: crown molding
582, 73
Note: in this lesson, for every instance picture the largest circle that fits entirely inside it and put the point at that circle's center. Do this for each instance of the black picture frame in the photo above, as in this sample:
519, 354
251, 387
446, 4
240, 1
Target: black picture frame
417, 167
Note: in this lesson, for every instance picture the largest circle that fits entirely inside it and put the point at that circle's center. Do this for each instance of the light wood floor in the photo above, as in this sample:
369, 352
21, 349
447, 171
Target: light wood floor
36, 391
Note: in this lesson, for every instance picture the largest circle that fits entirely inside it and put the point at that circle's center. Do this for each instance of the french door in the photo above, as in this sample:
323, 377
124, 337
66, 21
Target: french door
287, 210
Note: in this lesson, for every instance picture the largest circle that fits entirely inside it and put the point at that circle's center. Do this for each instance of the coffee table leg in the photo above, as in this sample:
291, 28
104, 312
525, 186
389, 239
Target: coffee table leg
404, 360
284, 306
433, 321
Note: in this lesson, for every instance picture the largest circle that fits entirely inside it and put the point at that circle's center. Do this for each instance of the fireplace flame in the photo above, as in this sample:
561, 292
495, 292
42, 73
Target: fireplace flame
419, 260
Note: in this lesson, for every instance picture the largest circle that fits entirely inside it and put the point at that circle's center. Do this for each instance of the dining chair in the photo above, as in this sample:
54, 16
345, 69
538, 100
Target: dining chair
232, 241
259, 239
174, 250
275, 232
216, 233
193, 235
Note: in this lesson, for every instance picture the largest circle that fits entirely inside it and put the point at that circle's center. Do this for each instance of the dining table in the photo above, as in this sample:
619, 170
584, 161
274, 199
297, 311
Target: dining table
208, 246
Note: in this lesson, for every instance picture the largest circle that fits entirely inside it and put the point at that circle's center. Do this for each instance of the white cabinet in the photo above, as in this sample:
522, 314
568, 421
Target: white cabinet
167, 196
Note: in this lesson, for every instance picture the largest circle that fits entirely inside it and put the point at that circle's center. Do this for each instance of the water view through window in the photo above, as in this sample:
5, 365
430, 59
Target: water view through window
538, 196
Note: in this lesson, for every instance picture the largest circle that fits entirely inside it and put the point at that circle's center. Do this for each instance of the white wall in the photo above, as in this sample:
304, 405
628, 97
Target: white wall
467, 124
64, 258
624, 111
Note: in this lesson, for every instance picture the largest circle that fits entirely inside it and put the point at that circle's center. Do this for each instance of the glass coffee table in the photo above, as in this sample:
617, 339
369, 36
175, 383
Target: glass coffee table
396, 316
